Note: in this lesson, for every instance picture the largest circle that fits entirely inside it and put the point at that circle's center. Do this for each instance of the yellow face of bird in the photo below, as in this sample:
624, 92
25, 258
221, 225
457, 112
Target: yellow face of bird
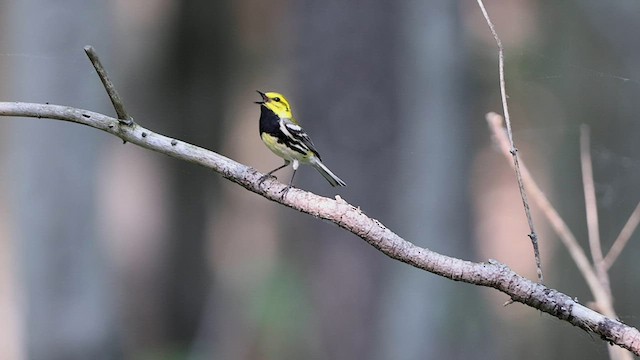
276, 103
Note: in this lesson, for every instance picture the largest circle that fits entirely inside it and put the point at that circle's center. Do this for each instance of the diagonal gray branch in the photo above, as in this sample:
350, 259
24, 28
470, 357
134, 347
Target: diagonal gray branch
350, 218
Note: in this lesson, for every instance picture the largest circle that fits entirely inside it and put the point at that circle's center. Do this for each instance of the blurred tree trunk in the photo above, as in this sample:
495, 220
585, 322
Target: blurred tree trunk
421, 189
192, 87
69, 311
347, 101
420, 312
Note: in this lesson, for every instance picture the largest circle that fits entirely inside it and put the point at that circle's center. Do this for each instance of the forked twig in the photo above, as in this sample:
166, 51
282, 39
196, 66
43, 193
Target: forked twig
593, 228
600, 291
557, 223
512, 148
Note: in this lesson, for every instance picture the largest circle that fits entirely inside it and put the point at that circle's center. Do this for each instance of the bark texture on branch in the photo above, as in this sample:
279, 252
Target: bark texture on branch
489, 274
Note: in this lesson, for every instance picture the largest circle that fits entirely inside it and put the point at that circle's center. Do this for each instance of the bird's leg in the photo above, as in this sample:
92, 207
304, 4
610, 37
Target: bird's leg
267, 175
286, 190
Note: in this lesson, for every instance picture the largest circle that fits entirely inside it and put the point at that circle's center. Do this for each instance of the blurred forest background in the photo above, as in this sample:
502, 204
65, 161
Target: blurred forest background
109, 251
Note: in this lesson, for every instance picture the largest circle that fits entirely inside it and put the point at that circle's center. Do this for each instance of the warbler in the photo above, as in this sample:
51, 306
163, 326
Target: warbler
282, 134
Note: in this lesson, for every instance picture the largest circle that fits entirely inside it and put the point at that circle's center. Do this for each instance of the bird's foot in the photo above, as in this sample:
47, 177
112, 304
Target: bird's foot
284, 192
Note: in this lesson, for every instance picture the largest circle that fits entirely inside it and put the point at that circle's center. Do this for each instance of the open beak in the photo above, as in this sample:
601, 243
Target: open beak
264, 98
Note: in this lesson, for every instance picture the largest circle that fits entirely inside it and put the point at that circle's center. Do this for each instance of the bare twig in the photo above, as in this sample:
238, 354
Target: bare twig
591, 207
117, 102
491, 274
512, 148
557, 223
623, 238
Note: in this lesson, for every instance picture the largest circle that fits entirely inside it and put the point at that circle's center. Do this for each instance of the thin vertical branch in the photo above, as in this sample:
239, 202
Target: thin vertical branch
591, 206
593, 228
513, 150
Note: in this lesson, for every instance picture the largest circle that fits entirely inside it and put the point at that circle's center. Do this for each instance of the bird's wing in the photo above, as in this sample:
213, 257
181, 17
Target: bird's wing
296, 132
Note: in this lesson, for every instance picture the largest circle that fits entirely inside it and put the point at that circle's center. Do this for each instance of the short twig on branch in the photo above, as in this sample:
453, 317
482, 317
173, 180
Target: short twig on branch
117, 102
533, 235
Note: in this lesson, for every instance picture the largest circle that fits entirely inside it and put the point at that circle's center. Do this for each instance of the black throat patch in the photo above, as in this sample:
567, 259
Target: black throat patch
270, 124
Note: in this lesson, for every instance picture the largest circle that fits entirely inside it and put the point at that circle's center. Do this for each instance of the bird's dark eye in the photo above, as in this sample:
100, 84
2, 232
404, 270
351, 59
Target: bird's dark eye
276, 99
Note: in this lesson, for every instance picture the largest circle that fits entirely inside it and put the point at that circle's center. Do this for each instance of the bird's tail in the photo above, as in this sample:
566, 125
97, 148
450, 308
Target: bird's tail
331, 177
